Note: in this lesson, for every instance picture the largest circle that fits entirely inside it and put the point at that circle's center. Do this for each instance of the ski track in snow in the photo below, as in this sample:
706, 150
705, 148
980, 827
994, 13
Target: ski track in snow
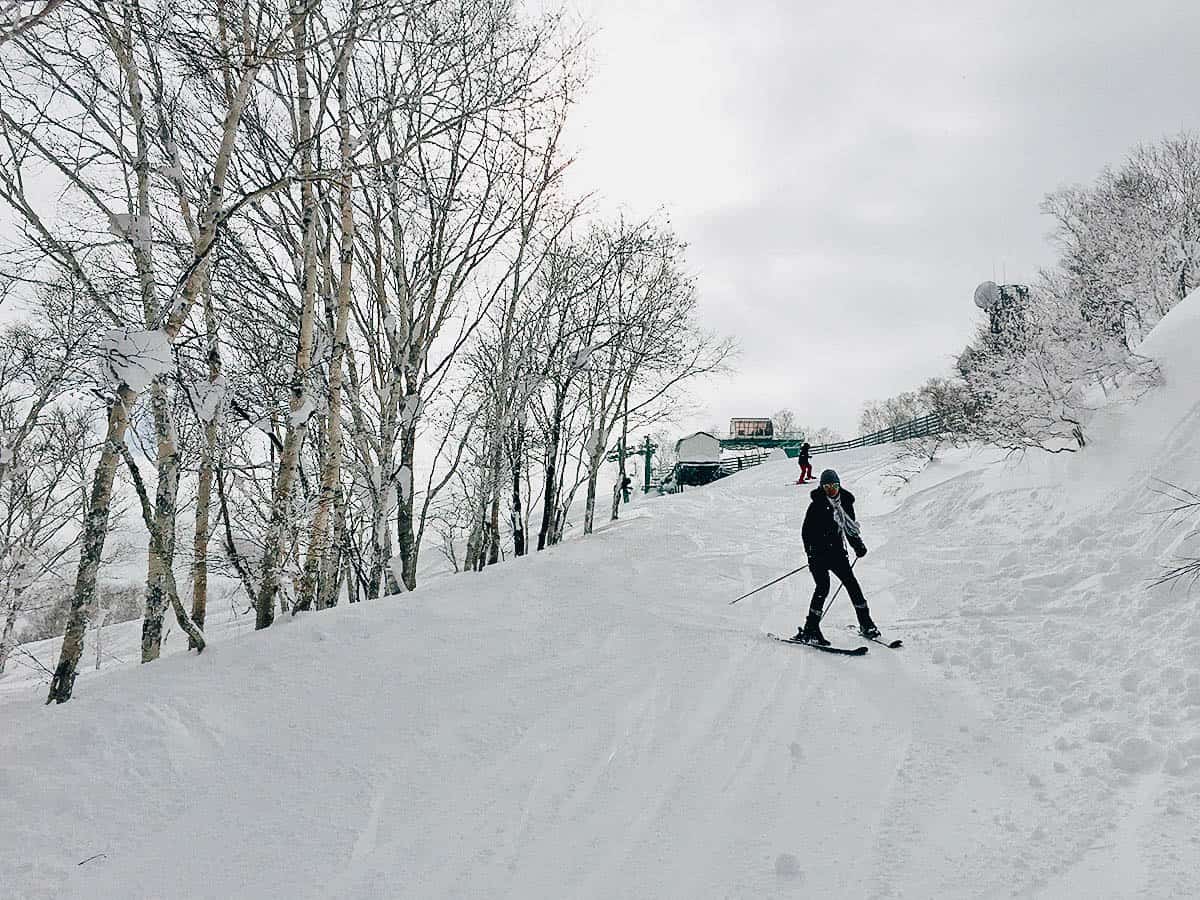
596, 721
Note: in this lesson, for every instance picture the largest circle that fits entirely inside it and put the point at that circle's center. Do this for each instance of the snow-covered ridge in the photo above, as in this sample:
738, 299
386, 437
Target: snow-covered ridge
596, 721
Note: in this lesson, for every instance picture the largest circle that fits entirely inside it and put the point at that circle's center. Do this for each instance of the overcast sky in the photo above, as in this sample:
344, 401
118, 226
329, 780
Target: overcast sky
847, 173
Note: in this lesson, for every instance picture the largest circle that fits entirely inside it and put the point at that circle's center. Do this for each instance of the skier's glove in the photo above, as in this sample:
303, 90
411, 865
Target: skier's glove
860, 550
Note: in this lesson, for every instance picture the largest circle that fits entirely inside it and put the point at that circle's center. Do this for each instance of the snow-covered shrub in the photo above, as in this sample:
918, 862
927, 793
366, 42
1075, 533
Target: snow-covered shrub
1038, 389
1131, 240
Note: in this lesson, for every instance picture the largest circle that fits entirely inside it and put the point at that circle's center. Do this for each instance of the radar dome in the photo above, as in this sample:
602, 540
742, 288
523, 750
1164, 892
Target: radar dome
987, 295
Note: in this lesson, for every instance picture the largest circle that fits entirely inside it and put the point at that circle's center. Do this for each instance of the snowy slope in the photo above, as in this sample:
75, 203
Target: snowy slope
596, 721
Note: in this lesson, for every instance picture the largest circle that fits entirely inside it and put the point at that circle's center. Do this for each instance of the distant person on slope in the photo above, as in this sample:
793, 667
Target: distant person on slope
829, 525
805, 464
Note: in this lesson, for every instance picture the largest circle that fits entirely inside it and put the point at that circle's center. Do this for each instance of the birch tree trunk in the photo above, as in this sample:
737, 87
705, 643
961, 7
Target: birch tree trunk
406, 536
289, 459
550, 489
624, 445
494, 529
166, 491
158, 542
10, 624
518, 516
589, 510
318, 542
95, 530
331, 574
205, 479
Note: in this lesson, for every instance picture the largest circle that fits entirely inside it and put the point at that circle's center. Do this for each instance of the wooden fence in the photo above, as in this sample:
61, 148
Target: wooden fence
914, 428
732, 464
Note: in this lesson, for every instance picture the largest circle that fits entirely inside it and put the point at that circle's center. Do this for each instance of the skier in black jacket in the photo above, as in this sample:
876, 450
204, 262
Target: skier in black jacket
829, 525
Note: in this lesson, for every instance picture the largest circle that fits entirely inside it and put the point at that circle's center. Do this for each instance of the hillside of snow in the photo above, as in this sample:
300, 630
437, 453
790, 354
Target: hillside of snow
597, 721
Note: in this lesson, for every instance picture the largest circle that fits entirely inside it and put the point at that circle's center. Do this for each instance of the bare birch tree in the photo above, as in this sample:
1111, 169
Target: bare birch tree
447, 204
331, 464
95, 131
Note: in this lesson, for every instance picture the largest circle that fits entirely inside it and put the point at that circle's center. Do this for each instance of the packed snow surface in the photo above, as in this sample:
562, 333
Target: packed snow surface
597, 721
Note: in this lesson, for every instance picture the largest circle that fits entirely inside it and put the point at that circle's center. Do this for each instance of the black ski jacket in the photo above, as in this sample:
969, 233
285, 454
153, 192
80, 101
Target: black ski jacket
804, 454
821, 535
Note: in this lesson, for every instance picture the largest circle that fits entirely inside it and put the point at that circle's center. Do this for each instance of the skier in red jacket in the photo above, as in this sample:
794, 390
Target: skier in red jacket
805, 464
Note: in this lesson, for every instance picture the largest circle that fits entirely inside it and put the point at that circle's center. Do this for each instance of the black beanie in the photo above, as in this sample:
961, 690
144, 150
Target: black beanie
830, 477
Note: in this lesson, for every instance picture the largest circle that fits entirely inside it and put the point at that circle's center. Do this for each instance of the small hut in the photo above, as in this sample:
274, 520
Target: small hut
699, 458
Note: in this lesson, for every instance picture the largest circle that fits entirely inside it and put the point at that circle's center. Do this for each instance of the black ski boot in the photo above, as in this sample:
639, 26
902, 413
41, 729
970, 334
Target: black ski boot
865, 625
811, 632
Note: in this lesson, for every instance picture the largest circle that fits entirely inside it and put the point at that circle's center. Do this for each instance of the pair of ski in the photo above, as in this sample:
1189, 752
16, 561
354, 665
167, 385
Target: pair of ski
843, 651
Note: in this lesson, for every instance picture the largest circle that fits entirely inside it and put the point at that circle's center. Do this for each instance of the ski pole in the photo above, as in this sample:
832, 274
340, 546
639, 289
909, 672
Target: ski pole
841, 585
769, 583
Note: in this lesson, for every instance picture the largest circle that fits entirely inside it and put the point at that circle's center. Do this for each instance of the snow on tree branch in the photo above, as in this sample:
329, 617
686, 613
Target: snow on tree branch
134, 357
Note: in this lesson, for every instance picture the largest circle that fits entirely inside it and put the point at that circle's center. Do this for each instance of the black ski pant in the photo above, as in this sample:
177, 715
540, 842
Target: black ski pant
839, 565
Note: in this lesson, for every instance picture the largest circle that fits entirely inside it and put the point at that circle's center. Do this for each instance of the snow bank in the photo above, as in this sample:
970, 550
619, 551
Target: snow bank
1172, 341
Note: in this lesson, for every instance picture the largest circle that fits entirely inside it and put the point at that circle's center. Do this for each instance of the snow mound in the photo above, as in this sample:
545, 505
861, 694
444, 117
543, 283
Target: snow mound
1174, 339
